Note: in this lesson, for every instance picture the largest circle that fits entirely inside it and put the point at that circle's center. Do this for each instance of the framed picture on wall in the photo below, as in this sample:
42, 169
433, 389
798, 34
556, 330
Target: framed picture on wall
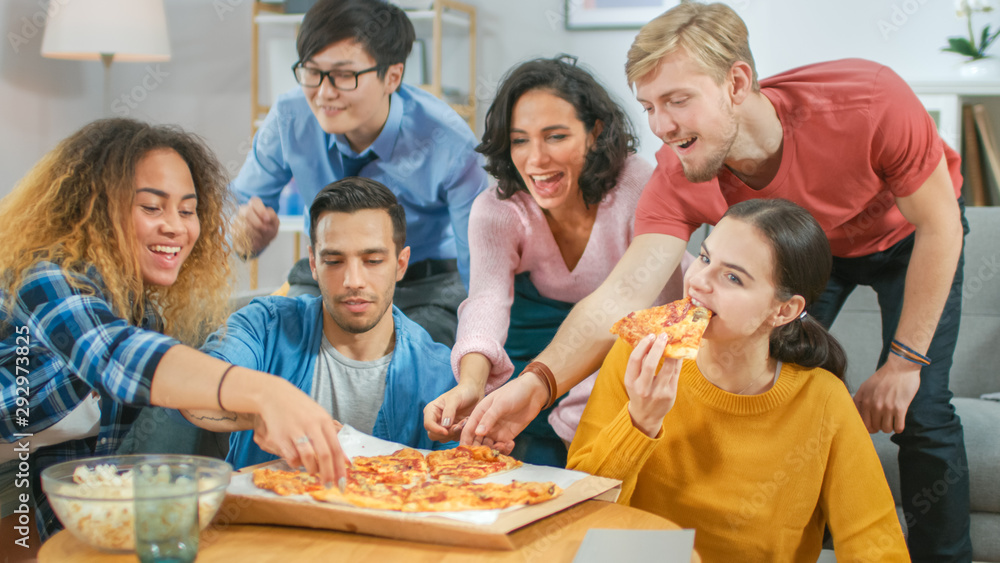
613, 14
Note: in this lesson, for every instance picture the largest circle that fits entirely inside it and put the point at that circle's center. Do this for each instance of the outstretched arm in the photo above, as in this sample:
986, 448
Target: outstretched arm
582, 341
219, 421
288, 422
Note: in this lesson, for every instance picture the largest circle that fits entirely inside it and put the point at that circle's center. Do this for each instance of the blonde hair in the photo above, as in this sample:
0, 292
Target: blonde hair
712, 34
74, 208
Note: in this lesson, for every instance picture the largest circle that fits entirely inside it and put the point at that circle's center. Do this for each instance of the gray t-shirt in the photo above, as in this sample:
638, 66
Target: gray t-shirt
351, 391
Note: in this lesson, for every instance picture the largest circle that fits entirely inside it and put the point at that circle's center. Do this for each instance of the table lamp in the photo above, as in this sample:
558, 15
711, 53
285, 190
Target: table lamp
121, 30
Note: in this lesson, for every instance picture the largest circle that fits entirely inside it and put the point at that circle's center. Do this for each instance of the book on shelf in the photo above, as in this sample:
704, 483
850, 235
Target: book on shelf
974, 188
981, 155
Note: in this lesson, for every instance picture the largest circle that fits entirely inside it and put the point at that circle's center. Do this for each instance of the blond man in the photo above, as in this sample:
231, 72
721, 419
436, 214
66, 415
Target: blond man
849, 141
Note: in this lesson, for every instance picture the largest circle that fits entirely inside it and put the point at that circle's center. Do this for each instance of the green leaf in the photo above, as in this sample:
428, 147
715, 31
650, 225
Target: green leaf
984, 41
961, 46
989, 41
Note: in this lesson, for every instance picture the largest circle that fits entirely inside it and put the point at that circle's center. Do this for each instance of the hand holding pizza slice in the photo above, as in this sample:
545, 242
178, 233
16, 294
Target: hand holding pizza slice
682, 321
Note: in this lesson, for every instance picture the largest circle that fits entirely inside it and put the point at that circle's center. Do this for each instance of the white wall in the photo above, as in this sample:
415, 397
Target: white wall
205, 87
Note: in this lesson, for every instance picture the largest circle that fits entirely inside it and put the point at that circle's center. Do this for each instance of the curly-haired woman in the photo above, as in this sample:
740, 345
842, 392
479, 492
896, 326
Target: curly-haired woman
115, 265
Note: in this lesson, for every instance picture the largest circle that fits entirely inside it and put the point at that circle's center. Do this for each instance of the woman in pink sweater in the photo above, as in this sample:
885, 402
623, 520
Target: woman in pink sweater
544, 237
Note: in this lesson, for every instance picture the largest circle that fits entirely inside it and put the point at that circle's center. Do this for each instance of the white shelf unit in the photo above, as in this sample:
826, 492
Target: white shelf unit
944, 100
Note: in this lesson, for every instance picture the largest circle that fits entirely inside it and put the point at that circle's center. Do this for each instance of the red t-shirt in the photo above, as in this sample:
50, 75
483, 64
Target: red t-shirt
855, 137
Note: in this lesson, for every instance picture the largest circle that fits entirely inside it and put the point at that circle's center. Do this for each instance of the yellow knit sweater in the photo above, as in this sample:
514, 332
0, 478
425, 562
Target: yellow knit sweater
756, 476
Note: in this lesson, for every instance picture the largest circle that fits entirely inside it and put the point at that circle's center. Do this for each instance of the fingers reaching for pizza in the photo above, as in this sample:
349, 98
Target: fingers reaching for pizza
444, 417
293, 426
504, 413
651, 392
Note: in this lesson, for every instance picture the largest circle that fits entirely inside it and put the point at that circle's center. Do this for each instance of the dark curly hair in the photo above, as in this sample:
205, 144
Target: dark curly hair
563, 78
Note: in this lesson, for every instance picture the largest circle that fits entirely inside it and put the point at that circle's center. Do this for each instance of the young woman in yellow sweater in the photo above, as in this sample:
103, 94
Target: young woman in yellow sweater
757, 444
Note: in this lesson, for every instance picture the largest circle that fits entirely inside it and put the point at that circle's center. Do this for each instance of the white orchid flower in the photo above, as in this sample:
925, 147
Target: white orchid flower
962, 8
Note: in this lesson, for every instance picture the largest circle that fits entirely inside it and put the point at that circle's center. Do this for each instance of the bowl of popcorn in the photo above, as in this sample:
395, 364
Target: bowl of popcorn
94, 497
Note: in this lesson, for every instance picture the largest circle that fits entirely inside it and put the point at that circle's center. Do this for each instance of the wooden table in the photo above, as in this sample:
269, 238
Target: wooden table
550, 540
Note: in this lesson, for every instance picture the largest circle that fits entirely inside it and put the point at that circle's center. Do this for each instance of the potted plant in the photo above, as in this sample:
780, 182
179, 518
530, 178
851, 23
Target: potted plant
978, 64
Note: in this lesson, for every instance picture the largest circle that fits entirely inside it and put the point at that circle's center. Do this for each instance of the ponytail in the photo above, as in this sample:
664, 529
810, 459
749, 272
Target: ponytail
806, 342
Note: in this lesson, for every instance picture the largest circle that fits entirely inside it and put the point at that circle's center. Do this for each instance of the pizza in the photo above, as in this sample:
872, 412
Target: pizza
468, 463
286, 483
440, 496
381, 496
683, 321
404, 467
408, 481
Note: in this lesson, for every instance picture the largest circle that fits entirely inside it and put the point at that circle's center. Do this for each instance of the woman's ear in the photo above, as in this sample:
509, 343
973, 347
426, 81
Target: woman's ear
789, 310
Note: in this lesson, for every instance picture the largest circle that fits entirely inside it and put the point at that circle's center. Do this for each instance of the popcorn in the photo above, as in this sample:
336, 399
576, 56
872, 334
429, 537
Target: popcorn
98, 508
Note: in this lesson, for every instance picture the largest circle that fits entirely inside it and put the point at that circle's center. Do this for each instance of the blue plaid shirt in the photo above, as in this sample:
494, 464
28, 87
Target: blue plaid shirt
75, 345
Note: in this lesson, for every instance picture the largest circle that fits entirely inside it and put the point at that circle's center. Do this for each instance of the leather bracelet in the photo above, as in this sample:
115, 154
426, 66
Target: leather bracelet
218, 392
907, 358
905, 351
545, 374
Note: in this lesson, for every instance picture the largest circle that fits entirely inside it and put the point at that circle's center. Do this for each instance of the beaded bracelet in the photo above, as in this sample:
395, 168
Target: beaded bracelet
909, 354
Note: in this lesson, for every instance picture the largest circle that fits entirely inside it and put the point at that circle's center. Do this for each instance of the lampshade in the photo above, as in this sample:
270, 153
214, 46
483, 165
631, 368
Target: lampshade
131, 30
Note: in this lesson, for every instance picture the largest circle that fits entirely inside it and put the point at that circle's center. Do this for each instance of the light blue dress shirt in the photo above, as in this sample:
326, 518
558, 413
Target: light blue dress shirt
425, 154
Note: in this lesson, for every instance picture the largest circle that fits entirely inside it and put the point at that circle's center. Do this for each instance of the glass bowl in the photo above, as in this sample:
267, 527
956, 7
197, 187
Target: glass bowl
97, 506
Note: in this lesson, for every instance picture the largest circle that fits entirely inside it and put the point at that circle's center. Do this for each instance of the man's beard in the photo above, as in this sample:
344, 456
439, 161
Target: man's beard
710, 169
345, 324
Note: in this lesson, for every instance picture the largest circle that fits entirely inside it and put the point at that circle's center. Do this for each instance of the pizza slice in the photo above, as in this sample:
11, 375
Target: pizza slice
531, 492
286, 483
402, 467
382, 496
468, 463
453, 497
683, 321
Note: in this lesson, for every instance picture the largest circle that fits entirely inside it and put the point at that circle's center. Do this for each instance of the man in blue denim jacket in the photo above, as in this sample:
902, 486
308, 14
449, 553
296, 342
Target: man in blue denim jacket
371, 368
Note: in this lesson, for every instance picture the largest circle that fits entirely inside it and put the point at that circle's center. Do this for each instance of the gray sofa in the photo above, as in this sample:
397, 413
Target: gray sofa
976, 371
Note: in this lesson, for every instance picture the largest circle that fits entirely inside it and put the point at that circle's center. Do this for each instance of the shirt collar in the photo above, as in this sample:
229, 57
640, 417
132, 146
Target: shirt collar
386, 140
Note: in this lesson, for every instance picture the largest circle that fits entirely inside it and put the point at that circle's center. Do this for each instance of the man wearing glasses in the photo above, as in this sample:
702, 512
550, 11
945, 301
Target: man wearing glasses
354, 117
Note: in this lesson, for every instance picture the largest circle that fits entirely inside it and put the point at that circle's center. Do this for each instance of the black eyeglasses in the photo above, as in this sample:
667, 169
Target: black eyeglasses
340, 79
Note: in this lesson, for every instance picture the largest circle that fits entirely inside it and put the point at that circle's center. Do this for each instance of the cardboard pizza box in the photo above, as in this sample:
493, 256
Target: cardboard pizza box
244, 504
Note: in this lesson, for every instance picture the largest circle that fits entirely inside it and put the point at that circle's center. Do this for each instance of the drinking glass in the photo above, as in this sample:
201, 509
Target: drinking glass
166, 513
